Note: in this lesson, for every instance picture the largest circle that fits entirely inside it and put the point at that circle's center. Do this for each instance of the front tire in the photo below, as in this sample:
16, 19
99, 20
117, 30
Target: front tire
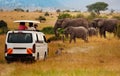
45, 56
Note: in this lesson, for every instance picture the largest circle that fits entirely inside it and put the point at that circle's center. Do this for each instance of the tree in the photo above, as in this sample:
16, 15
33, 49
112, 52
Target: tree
58, 10
27, 10
97, 7
112, 11
64, 15
1, 10
19, 10
46, 14
41, 18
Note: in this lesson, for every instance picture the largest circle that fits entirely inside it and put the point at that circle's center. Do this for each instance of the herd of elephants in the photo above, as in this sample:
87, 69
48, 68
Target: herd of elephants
82, 28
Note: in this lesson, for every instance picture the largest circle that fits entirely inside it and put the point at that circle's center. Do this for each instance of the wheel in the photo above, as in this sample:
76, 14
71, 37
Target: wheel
45, 56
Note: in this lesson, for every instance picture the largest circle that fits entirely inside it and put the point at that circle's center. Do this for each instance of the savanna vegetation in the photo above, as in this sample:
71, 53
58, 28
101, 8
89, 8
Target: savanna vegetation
99, 57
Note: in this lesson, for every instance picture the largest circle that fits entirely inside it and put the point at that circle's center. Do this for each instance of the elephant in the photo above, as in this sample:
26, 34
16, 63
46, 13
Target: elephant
58, 24
109, 25
63, 23
92, 31
3, 26
76, 32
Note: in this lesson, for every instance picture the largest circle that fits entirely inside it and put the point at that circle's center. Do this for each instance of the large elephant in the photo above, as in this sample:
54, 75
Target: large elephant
109, 25
76, 32
3, 26
63, 23
58, 24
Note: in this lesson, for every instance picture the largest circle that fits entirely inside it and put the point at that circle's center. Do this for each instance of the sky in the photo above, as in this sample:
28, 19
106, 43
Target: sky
81, 4
68, 4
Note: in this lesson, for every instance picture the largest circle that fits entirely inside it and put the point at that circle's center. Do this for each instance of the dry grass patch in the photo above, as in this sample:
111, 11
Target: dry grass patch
99, 57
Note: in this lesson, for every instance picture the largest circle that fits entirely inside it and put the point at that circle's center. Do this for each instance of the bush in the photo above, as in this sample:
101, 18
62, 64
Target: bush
79, 16
58, 10
19, 10
116, 17
41, 18
48, 30
46, 14
93, 16
66, 11
64, 15
61, 31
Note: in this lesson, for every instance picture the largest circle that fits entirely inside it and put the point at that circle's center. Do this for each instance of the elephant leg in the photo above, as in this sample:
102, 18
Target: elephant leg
104, 34
70, 40
71, 37
115, 32
100, 32
63, 38
74, 40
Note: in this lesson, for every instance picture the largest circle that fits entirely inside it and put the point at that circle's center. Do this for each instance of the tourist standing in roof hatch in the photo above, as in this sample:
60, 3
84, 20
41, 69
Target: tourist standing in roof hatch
31, 27
22, 26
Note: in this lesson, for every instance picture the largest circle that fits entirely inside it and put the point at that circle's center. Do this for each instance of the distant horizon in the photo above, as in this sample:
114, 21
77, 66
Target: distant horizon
55, 4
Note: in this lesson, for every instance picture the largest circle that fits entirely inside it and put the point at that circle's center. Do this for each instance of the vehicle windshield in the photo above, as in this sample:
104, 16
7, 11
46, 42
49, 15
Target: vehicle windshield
19, 38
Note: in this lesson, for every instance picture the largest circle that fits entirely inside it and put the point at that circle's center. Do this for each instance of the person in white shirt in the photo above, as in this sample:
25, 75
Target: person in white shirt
31, 27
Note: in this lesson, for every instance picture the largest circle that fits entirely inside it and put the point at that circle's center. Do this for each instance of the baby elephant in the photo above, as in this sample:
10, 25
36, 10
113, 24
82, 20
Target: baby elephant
92, 31
76, 32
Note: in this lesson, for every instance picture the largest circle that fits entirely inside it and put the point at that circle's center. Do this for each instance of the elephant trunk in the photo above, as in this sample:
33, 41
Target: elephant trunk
56, 32
66, 35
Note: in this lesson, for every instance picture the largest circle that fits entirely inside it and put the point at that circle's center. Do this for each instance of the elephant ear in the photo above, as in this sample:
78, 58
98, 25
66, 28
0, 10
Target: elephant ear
70, 29
100, 23
65, 23
59, 21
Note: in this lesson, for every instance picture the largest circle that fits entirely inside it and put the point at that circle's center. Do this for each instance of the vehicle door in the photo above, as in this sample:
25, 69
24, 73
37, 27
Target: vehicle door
41, 45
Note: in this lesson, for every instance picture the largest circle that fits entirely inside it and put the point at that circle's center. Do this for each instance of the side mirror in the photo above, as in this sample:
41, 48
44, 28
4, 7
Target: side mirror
48, 41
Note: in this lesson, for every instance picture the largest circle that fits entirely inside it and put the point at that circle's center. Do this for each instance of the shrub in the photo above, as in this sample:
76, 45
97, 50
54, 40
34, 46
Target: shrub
66, 11
19, 10
91, 16
79, 16
48, 30
46, 14
64, 15
116, 17
58, 10
61, 31
41, 18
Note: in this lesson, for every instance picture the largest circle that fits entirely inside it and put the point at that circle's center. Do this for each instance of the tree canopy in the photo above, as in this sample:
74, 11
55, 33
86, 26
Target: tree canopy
97, 7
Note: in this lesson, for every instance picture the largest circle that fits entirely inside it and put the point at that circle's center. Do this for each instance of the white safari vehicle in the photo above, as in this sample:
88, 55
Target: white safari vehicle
25, 45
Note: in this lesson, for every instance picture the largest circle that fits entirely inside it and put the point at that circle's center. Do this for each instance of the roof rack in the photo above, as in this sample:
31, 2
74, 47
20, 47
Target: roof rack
27, 21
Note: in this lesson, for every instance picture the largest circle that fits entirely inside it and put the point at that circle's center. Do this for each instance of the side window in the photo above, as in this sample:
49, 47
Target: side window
37, 38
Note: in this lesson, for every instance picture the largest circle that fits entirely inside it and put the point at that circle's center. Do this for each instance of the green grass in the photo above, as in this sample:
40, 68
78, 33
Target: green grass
29, 70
